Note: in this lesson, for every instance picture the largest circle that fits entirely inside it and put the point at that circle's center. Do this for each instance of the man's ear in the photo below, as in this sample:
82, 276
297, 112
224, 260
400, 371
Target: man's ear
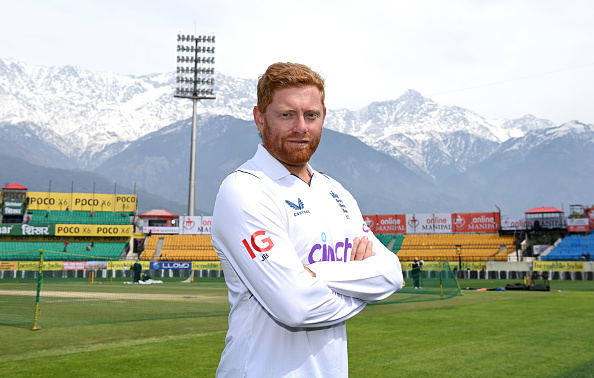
258, 118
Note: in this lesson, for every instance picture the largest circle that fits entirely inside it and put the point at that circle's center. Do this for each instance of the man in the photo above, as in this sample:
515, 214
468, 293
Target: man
137, 270
416, 273
297, 256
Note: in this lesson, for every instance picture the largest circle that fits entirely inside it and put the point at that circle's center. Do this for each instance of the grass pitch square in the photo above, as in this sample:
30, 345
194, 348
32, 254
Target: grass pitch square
478, 333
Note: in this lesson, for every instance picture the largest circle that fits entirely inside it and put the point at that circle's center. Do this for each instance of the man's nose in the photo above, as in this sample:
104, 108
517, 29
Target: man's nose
300, 126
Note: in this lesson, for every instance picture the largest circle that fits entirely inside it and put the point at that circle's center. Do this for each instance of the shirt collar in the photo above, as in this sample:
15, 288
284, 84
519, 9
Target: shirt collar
271, 166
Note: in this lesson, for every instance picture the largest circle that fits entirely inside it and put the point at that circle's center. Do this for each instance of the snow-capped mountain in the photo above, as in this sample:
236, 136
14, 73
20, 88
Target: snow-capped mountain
429, 137
408, 154
546, 166
82, 112
91, 116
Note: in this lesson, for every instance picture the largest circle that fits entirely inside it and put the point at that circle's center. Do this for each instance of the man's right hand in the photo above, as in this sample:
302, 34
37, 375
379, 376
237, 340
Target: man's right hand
362, 249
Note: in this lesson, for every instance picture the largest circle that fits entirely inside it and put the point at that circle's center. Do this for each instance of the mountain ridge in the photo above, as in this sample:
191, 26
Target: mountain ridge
116, 125
94, 115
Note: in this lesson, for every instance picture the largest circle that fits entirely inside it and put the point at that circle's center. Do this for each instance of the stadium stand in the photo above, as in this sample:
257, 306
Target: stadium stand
78, 217
54, 251
385, 239
179, 248
473, 247
572, 248
75, 251
397, 243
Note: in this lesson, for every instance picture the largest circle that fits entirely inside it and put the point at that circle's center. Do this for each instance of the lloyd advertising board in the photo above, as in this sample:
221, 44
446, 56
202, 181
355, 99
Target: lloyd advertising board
171, 265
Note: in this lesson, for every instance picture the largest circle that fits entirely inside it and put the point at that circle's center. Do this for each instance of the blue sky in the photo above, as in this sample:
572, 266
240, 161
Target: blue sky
501, 59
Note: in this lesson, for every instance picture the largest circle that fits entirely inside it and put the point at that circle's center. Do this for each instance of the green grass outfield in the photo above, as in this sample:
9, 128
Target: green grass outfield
477, 334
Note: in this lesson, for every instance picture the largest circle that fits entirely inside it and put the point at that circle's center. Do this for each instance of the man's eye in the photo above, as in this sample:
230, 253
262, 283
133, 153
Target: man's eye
312, 115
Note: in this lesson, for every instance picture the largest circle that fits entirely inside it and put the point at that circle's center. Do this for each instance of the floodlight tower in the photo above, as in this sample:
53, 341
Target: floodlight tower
194, 78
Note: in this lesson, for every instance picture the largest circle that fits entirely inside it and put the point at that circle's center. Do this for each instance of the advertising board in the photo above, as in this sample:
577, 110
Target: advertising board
81, 201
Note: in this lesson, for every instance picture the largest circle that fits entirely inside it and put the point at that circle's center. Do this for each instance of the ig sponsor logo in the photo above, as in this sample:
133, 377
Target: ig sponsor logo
260, 243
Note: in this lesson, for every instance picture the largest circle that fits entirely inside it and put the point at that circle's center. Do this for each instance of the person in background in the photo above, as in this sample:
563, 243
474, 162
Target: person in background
137, 270
416, 273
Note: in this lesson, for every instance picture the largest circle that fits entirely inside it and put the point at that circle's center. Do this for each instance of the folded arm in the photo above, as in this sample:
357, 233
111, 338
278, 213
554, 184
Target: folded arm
254, 240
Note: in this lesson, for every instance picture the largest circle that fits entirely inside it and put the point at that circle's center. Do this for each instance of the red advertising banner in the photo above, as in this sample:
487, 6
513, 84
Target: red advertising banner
578, 225
476, 222
591, 217
391, 224
439, 223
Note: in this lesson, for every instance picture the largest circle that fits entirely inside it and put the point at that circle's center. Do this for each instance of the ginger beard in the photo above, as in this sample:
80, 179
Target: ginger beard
281, 147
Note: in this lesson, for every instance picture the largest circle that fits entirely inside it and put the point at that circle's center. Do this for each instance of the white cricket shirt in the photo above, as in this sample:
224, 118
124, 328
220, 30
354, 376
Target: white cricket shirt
267, 225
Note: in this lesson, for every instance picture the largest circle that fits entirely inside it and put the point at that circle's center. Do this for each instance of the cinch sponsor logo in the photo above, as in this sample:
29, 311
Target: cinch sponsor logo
365, 227
300, 207
326, 252
258, 243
